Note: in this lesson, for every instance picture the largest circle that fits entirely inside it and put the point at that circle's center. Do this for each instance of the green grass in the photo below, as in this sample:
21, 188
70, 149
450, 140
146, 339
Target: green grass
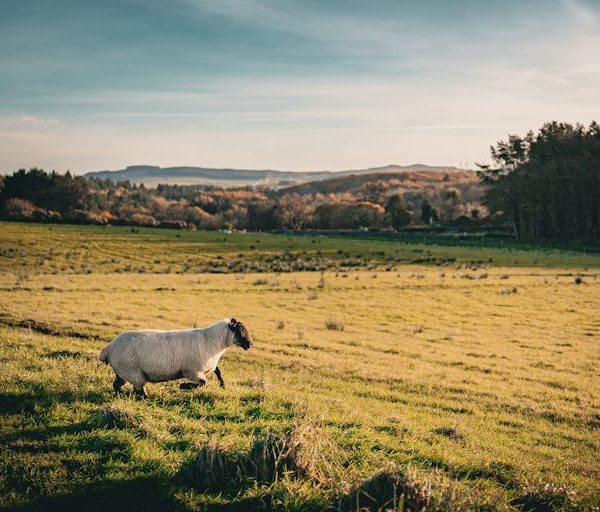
109, 249
458, 388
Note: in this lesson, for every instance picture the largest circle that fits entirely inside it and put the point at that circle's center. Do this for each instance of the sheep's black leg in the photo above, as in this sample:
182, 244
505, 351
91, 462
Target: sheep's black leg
118, 384
218, 374
141, 392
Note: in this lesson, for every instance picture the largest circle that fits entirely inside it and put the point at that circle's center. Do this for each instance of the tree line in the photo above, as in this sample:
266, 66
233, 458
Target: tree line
547, 185
544, 185
40, 196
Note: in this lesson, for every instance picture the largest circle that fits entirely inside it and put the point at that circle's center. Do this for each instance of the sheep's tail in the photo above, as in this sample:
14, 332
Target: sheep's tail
103, 356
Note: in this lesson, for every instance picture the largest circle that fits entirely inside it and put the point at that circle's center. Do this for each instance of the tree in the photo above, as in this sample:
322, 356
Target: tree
261, 216
547, 184
397, 214
426, 212
52, 191
450, 203
294, 211
374, 192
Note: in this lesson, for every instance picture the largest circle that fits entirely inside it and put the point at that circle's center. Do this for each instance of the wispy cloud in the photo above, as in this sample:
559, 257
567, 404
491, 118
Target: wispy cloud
37, 121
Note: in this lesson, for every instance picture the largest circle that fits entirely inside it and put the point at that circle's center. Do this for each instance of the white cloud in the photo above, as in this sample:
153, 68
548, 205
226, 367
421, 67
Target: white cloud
27, 122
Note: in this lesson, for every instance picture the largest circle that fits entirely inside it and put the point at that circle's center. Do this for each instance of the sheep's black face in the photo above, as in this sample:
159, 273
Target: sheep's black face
241, 335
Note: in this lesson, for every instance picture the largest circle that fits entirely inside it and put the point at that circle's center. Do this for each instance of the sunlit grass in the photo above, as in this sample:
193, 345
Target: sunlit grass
60, 249
435, 378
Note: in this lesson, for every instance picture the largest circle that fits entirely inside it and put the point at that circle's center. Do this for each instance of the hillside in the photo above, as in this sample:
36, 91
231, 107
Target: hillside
151, 175
407, 180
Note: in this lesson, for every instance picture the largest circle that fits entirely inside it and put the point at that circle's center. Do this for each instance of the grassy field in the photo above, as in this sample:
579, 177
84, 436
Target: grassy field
407, 375
60, 249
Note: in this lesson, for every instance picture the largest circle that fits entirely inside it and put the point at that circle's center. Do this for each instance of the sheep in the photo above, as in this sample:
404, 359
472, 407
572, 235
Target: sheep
145, 356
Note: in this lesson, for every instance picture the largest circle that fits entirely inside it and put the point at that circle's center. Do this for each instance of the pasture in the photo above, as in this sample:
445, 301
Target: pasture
393, 374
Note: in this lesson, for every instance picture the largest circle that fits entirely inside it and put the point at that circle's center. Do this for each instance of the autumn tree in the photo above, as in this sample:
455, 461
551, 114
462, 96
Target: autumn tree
294, 211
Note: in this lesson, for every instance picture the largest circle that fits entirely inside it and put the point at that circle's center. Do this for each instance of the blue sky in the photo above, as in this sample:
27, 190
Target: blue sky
287, 84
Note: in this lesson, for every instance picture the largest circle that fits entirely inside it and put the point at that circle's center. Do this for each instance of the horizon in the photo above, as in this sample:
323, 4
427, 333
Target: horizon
229, 168
226, 168
290, 86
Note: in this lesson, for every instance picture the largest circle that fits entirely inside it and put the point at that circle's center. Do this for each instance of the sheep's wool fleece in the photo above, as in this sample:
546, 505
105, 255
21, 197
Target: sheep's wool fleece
154, 356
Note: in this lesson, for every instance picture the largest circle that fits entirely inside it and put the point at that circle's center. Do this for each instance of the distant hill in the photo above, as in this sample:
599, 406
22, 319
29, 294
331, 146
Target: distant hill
405, 179
151, 175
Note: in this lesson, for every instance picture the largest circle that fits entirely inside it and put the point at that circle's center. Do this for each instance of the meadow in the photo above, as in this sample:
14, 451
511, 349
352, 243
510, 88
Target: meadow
384, 374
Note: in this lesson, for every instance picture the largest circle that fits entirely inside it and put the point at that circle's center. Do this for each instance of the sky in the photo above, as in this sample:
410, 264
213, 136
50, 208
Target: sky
287, 84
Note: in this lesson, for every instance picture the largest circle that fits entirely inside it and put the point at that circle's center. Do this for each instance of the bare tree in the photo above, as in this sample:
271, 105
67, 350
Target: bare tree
295, 211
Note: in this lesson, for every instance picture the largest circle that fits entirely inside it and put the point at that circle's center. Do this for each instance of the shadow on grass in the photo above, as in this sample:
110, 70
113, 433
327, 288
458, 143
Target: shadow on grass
64, 354
63, 467
72, 467
138, 494
37, 397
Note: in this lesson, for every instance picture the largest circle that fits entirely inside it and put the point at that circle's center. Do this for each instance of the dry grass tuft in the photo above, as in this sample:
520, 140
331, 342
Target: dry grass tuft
256, 382
310, 452
390, 489
321, 284
544, 497
304, 451
117, 417
334, 325
450, 432
418, 329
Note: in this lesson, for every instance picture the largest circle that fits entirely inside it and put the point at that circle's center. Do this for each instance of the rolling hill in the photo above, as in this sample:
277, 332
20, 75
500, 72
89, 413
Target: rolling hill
151, 176
405, 179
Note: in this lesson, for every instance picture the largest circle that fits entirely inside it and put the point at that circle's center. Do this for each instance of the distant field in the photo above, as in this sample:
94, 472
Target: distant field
461, 385
89, 249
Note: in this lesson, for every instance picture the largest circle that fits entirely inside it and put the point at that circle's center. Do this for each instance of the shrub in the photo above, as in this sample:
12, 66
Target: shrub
19, 210
142, 219
84, 217
174, 224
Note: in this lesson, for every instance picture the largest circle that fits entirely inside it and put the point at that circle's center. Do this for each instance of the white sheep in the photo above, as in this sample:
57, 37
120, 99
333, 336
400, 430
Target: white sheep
139, 357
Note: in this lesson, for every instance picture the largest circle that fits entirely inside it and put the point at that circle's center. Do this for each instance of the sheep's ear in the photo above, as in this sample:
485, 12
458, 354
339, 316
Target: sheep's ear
232, 323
